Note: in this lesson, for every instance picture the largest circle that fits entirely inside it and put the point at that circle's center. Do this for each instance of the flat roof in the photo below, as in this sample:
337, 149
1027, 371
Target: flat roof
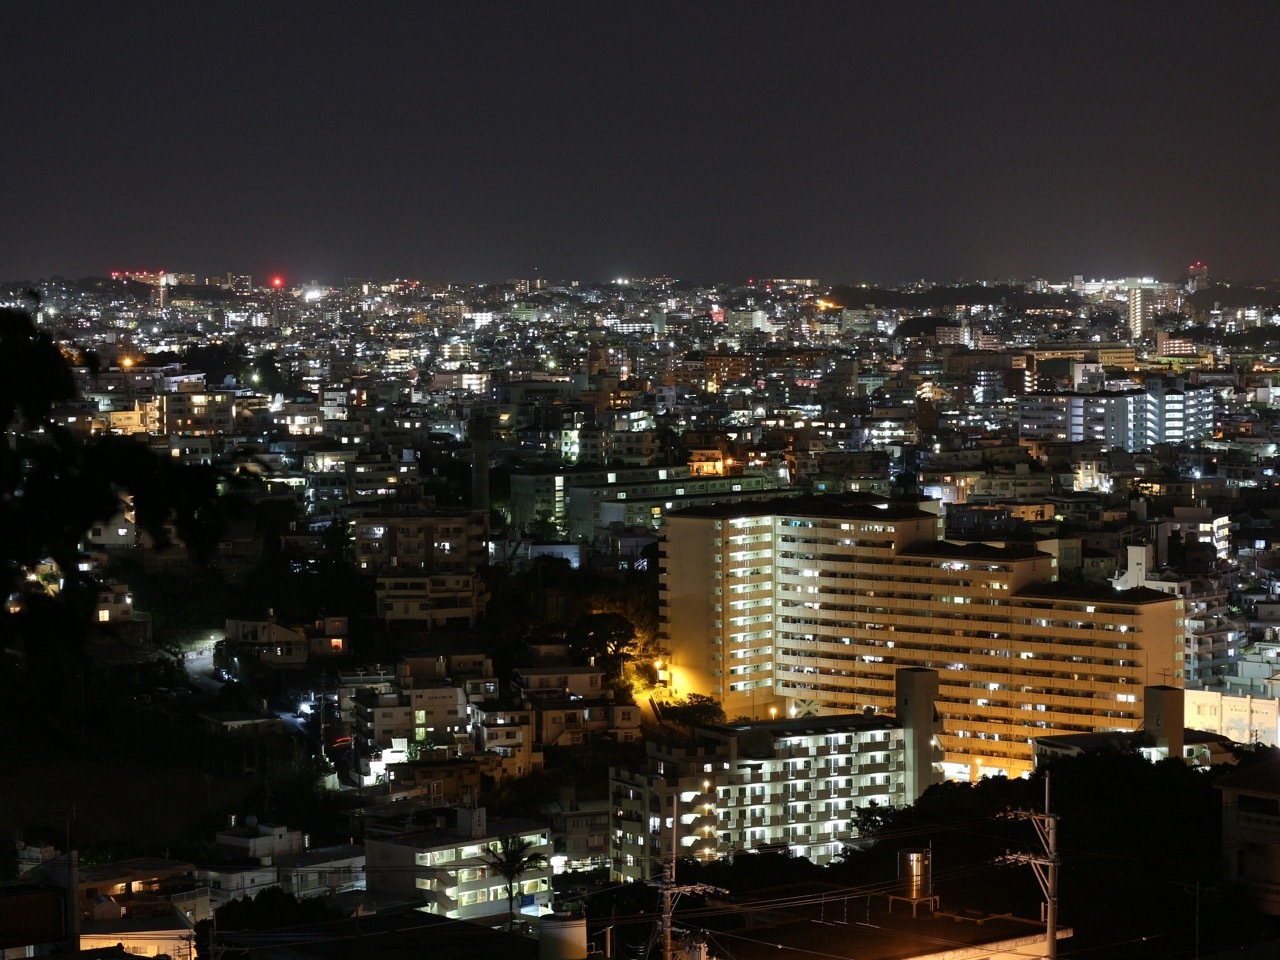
875, 929
1098, 592
811, 726
317, 855
436, 837
949, 549
834, 506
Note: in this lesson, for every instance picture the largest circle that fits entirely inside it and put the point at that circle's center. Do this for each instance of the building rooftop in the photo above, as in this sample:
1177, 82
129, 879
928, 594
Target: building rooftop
409, 934
813, 726
1261, 777
451, 836
841, 505
1122, 741
318, 855
1099, 592
883, 931
136, 868
948, 549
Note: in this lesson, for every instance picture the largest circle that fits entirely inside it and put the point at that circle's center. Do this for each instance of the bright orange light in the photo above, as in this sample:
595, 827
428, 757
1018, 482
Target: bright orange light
126, 361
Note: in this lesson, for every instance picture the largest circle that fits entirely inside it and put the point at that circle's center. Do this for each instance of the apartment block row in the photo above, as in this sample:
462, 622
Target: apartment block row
794, 784
808, 607
455, 707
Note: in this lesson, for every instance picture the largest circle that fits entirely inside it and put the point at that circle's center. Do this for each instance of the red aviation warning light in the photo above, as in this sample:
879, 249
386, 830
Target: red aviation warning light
277, 282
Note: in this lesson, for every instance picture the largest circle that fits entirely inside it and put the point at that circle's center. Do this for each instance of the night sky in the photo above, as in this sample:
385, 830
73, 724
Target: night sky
706, 140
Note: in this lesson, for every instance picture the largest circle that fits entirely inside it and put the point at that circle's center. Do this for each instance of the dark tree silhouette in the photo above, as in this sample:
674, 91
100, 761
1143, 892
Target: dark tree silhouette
54, 486
609, 638
510, 858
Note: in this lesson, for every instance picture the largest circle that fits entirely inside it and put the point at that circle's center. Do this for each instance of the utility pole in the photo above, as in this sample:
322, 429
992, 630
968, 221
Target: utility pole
668, 887
1044, 864
668, 882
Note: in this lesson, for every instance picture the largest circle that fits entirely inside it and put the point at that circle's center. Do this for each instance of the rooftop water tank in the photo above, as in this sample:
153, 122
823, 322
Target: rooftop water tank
562, 936
915, 879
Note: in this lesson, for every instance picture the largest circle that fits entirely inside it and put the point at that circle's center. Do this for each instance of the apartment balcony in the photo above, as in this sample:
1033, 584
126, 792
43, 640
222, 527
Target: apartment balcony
880, 768
831, 836
838, 793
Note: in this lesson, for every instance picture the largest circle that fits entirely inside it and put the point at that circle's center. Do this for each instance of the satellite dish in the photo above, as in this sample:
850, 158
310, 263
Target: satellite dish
251, 821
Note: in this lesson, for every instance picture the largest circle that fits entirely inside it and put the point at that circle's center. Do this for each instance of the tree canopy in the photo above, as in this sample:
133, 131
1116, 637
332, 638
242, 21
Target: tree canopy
54, 486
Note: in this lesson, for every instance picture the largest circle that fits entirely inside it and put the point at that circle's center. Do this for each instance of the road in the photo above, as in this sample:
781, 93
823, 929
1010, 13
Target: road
199, 664
201, 675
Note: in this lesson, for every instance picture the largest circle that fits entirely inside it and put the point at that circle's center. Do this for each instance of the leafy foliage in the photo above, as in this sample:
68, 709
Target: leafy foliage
696, 708
607, 638
269, 909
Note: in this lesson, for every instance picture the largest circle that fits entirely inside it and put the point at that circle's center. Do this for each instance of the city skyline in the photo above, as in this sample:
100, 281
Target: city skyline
1191, 277
482, 142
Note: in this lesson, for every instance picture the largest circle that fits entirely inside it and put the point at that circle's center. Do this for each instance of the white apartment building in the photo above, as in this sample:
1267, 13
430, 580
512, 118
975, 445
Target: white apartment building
435, 712
794, 784
433, 600
1162, 412
447, 871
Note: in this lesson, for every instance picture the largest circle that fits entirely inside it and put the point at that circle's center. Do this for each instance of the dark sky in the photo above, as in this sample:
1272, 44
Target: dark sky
708, 140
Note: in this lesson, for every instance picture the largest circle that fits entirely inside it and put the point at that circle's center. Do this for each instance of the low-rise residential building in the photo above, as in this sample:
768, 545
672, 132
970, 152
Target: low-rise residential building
144, 886
416, 598
505, 735
421, 539
565, 722
158, 929
265, 643
258, 841
436, 712
448, 871
579, 831
534, 683
1251, 831
237, 881
322, 871
439, 780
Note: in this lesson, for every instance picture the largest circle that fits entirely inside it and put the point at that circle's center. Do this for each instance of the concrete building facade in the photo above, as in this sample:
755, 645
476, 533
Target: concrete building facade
807, 608
794, 784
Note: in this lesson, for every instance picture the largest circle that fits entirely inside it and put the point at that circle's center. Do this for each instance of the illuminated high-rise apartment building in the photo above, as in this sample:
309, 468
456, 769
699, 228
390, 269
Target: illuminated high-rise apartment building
808, 607
1166, 410
1140, 312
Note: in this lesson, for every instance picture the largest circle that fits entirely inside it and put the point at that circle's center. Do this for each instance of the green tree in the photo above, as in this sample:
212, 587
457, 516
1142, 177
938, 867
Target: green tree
510, 858
695, 709
543, 529
608, 638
